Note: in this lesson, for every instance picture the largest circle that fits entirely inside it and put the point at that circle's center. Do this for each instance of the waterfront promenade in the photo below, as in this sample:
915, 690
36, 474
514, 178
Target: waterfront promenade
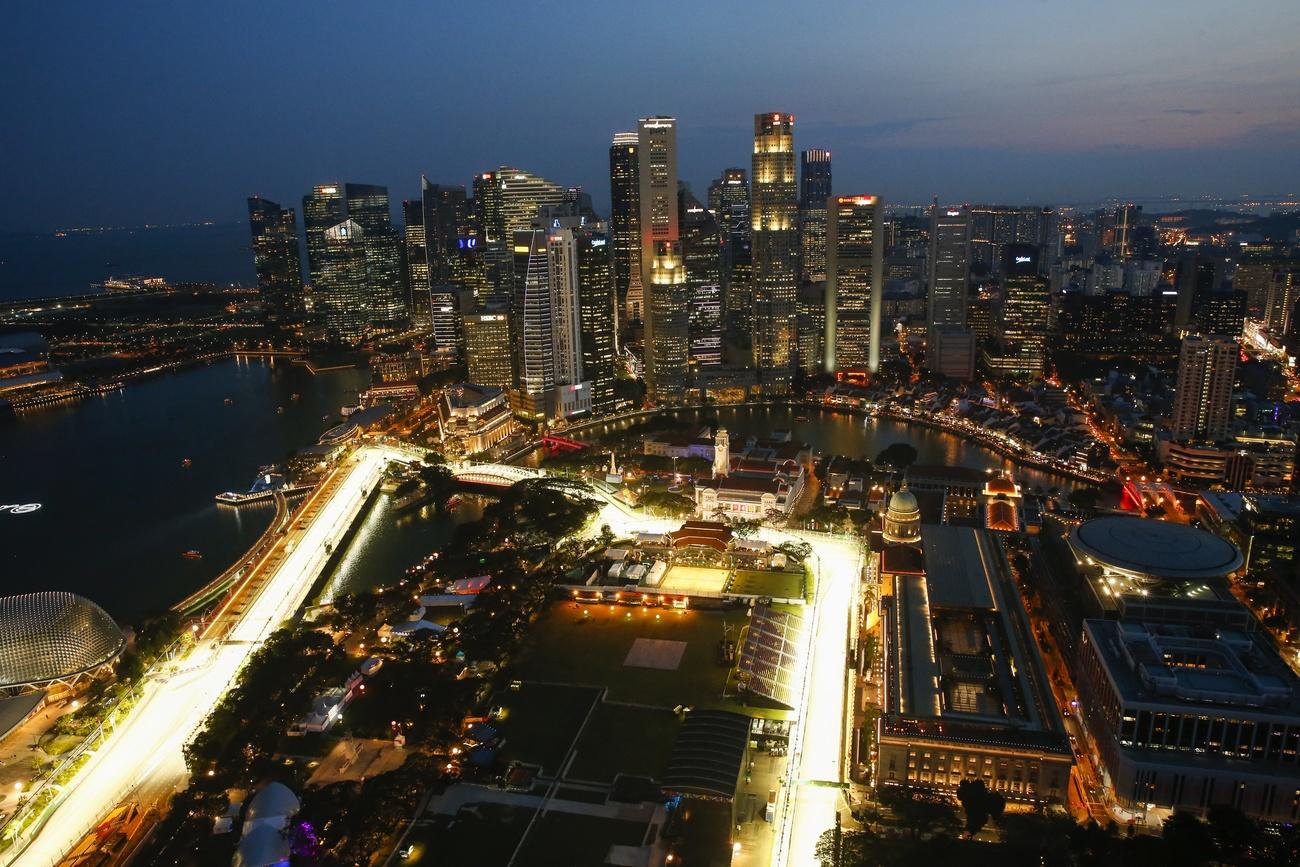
143, 758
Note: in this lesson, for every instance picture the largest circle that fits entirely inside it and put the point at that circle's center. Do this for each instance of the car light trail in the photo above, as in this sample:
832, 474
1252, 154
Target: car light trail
146, 748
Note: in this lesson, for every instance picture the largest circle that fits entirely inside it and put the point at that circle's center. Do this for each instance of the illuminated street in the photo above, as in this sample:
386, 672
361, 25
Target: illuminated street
133, 761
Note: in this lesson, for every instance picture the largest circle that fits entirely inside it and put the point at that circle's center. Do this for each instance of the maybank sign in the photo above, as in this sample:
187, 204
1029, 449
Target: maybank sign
20, 508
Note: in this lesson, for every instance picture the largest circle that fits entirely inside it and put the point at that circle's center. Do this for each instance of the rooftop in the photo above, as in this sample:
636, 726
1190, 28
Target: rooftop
1155, 548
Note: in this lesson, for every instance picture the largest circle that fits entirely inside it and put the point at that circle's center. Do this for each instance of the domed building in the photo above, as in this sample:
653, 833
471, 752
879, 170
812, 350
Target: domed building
54, 639
902, 521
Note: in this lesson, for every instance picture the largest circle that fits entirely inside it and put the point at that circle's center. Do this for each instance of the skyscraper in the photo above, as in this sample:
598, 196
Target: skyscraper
446, 221
949, 268
663, 276
814, 191
625, 222
703, 254
774, 218
341, 291
1207, 369
1025, 311
1272, 287
522, 193
729, 202
531, 311
417, 264
322, 209
488, 352
597, 314
276, 257
855, 258
384, 280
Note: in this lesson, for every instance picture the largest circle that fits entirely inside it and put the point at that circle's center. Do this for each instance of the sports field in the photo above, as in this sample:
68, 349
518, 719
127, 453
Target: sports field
776, 585
693, 580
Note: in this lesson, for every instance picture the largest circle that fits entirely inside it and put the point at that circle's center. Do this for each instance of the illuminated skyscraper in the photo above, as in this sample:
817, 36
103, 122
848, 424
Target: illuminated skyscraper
774, 226
625, 222
487, 348
487, 209
341, 291
703, 253
522, 193
322, 209
663, 276
276, 257
1022, 325
1207, 370
532, 314
855, 256
949, 268
729, 202
385, 283
814, 191
417, 264
597, 314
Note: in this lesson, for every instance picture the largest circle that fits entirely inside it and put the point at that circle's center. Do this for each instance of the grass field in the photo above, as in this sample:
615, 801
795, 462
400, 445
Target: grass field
621, 739
487, 839
541, 721
693, 580
567, 646
779, 585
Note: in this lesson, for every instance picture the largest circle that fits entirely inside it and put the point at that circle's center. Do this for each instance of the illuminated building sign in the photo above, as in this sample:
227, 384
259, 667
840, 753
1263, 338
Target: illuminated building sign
1020, 260
467, 243
20, 508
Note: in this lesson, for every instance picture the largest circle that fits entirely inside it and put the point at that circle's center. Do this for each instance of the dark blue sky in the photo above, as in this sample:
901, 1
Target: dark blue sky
126, 113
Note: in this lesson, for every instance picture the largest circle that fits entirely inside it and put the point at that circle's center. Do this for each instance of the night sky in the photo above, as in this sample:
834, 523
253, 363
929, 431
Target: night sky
127, 113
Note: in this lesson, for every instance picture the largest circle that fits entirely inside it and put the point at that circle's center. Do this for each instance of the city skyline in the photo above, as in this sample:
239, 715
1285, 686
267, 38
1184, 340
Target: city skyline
1207, 109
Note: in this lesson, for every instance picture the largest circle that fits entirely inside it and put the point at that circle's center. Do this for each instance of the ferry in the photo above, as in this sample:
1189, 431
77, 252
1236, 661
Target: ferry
193, 555
295, 396
187, 463
346, 411
279, 410
229, 401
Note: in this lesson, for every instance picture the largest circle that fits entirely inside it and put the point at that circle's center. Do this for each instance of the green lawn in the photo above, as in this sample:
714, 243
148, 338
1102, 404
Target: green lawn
780, 585
621, 739
571, 840
566, 646
540, 722
486, 837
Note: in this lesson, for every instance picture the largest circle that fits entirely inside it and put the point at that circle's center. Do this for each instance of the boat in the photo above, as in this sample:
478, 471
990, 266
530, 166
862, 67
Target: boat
229, 401
193, 555
279, 410
346, 411
294, 396
187, 463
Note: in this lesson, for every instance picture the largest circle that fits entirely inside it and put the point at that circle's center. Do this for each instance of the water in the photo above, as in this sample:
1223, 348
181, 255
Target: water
40, 265
838, 433
118, 508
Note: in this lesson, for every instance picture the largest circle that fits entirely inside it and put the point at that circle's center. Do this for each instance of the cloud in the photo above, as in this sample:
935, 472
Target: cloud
1191, 112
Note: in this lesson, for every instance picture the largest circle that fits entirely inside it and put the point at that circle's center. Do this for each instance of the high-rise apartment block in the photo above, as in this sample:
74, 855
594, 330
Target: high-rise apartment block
1207, 370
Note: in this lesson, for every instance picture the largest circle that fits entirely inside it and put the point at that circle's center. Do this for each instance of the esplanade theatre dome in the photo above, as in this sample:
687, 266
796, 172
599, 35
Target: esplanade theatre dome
54, 637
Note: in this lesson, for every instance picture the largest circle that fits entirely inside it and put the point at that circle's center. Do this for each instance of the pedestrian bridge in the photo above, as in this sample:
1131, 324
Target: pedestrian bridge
496, 475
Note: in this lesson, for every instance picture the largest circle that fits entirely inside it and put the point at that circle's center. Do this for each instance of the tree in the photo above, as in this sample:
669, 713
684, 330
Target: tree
979, 804
900, 456
1084, 498
744, 529
1187, 839
1233, 831
919, 810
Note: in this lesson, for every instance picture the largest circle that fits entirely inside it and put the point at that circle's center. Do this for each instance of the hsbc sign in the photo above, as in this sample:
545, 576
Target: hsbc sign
20, 508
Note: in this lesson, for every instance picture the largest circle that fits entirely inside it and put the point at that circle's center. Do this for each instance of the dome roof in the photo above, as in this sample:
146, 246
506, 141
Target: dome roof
903, 502
1001, 485
275, 801
1158, 549
53, 635
263, 846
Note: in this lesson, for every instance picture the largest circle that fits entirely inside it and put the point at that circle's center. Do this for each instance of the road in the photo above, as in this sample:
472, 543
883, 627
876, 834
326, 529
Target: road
817, 746
143, 757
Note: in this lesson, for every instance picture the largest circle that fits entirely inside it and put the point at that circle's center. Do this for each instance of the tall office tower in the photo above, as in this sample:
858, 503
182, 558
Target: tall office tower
446, 221
1224, 314
663, 276
522, 193
855, 259
323, 208
276, 256
597, 312
1272, 287
994, 226
417, 264
342, 287
1207, 369
531, 312
1025, 311
447, 304
367, 205
703, 254
1124, 233
625, 222
949, 268
385, 283
566, 316
487, 210
740, 286
488, 351
814, 191
729, 202
774, 227
812, 327
1198, 277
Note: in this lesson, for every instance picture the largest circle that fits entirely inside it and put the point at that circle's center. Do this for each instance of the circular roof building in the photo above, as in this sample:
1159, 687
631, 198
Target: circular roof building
1148, 550
902, 521
54, 637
